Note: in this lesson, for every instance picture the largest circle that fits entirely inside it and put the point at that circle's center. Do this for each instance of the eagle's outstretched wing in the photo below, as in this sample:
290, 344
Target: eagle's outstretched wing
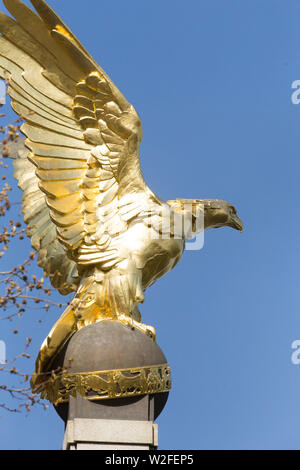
40, 228
83, 138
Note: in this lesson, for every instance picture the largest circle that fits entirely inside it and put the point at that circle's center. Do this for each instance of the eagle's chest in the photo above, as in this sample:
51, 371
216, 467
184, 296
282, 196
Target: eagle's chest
151, 253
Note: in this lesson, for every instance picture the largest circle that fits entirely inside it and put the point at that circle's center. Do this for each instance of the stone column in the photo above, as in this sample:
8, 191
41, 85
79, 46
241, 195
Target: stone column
116, 383
110, 434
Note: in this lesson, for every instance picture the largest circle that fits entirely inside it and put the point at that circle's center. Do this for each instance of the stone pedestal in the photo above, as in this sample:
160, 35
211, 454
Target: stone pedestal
118, 374
110, 434
117, 424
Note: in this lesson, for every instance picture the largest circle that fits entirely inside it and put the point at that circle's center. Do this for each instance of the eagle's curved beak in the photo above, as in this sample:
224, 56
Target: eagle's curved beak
236, 223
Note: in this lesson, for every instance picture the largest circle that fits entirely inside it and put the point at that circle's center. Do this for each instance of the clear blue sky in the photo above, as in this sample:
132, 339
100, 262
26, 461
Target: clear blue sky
211, 80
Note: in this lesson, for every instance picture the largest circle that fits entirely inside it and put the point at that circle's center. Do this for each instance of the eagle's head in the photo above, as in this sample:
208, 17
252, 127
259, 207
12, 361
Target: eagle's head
218, 213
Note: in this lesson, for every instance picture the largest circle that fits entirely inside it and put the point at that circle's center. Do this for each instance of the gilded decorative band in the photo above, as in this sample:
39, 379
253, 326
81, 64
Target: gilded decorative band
107, 384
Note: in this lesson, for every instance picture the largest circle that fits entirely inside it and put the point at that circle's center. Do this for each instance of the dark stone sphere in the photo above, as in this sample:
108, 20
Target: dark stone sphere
109, 345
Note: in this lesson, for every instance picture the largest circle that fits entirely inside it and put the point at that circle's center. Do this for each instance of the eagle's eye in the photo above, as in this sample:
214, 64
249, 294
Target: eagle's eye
232, 210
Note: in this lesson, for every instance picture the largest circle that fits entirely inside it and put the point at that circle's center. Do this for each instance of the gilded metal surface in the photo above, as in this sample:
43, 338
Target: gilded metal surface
108, 384
98, 228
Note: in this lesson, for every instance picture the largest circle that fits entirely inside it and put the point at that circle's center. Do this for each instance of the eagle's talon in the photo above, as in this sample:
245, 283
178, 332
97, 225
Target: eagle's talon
127, 320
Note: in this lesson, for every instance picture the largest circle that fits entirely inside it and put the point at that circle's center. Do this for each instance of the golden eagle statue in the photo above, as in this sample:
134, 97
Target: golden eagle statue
97, 227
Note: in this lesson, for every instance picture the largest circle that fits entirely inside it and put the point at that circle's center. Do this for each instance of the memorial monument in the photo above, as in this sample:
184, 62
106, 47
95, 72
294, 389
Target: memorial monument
99, 231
